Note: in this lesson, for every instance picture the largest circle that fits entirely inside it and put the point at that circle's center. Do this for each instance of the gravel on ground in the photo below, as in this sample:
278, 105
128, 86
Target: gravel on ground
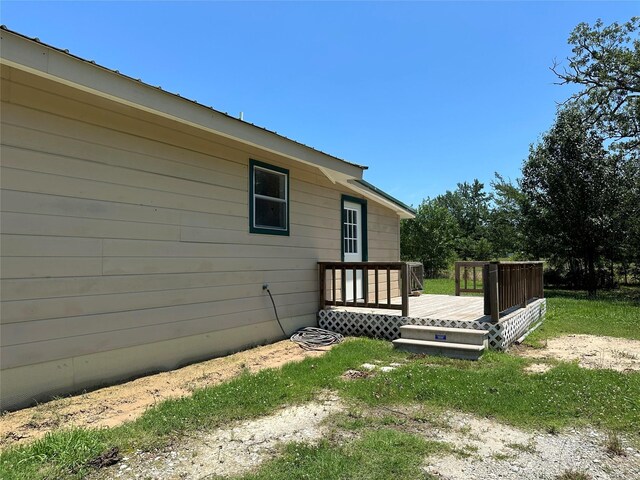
496, 451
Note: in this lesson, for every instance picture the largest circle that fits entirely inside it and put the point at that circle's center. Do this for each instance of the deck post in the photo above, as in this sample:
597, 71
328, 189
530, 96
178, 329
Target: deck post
322, 279
376, 287
493, 289
365, 285
540, 270
525, 269
485, 288
355, 286
457, 270
404, 275
333, 284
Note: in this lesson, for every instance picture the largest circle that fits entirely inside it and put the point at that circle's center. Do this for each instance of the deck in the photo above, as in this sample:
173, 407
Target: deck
469, 309
511, 301
434, 310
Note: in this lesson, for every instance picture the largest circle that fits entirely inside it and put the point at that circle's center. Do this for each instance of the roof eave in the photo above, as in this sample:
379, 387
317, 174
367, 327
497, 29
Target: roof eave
374, 193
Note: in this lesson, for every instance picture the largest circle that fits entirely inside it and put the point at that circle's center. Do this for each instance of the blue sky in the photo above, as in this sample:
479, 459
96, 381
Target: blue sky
426, 94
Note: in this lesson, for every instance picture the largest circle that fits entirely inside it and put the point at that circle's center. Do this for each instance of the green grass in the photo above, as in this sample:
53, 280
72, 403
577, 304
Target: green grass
494, 386
440, 286
447, 286
572, 474
614, 313
379, 454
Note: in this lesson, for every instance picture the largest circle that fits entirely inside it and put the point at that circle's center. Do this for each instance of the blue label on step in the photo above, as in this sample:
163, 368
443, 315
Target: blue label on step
441, 337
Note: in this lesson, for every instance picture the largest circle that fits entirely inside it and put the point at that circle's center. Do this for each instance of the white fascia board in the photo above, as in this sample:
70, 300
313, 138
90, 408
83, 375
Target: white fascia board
365, 192
46, 62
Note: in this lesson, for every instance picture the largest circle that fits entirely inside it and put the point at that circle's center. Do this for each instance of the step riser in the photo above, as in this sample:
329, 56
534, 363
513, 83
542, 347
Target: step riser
442, 352
449, 337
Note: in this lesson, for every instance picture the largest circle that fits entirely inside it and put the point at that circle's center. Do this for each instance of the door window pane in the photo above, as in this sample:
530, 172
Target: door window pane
350, 231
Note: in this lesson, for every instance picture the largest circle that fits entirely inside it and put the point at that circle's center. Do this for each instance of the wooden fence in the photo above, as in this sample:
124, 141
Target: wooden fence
504, 284
377, 291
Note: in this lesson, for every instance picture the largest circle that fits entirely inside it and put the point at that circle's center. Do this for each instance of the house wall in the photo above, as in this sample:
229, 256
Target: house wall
125, 243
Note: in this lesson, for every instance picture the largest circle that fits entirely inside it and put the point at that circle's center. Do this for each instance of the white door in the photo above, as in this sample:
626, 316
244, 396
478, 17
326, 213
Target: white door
352, 238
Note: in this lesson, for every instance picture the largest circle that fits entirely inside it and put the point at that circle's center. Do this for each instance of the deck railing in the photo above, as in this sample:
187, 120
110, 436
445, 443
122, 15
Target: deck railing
465, 271
504, 284
416, 278
381, 282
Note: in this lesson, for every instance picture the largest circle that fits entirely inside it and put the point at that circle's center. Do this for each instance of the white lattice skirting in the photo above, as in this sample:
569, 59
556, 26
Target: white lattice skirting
501, 334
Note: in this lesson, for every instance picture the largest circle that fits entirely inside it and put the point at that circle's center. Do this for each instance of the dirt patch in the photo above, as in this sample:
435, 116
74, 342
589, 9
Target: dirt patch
110, 457
538, 368
591, 351
354, 375
112, 406
233, 450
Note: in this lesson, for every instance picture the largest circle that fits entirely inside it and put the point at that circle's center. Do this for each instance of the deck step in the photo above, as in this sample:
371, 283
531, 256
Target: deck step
444, 335
451, 350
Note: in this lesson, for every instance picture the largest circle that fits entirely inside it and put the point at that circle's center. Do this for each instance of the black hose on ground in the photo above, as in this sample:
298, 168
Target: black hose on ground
265, 287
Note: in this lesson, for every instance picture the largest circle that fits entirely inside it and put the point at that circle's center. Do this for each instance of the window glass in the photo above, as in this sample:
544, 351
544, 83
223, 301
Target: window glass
350, 231
269, 200
270, 184
270, 213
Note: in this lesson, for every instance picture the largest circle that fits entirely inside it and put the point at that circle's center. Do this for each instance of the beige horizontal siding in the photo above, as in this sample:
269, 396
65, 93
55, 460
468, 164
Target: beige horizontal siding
121, 230
18, 333
32, 289
58, 348
57, 307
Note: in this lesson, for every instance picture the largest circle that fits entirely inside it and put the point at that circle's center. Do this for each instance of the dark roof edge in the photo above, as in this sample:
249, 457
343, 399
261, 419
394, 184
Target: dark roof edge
384, 194
93, 63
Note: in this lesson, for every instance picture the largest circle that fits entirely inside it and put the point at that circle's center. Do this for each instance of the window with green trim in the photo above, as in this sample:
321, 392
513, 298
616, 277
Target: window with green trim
268, 199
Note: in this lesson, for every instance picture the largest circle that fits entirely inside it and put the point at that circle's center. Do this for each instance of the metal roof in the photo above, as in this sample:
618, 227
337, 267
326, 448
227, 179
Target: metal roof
386, 195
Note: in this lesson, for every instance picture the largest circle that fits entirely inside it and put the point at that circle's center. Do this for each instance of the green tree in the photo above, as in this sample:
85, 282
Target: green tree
628, 251
505, 219
469, 206
573, 189
606, 62
429, 238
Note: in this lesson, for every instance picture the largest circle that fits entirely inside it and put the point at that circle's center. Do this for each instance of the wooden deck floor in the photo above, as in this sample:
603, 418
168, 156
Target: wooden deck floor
429, 306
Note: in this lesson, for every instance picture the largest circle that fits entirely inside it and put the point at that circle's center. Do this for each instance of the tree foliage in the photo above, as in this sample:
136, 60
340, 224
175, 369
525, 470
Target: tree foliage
573, 195
606, 62
430, 238
505, 219
469, 206
467, 223
627, 252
